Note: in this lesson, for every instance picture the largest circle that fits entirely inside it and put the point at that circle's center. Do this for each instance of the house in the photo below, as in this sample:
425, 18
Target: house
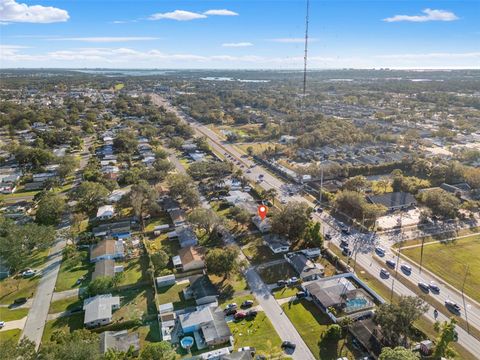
462, 190
119, 230
305, 268
393, 201
209, 322
166, 280
107, 249
242, 199
201, 289
41, 177
369, 335
263, 225
169, 204
119, 341
99, 309
239, 355
105, 212
106, 267
340, 293
276, 243
185, 235
177, 216
117, 194
192, 258
167, 318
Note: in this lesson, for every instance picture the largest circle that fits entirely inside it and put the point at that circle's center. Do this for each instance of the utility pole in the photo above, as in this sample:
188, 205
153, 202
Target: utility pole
321, 185
421, 254
305, 56
463, 298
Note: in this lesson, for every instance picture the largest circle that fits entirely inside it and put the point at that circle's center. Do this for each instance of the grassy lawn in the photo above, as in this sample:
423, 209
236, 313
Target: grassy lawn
174, 295
258, 333
457, 255
227, 288
135, 304
258, 147
277, 272
65, 304
311, 323
68, 323
14, 314
156, 221
13, 334
258, 253
133, 270
149, 332
70, 273
285, 292
162, 242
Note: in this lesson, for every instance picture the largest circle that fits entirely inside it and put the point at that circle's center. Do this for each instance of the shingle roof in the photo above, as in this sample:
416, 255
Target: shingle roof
119, 341
393, 199
99, 307
104, 268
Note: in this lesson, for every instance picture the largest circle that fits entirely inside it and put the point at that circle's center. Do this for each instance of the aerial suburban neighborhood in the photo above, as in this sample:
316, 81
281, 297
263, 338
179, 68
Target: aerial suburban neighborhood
212, 213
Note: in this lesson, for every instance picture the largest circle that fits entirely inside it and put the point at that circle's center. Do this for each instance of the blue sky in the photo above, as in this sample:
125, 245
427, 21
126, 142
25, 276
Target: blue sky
239, 34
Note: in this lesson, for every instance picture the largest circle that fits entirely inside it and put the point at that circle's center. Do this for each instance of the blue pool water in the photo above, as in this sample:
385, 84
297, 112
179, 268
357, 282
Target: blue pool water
356, 303
186, 342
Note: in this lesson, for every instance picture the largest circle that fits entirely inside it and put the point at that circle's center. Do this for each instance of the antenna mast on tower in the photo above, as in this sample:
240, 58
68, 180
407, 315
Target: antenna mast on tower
305, 56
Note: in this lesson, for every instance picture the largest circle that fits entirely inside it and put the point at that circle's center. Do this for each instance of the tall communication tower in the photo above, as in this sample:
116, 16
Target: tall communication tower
305, 56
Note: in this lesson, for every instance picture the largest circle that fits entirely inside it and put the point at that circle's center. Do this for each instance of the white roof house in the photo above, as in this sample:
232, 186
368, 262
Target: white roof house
99, 309
105, 212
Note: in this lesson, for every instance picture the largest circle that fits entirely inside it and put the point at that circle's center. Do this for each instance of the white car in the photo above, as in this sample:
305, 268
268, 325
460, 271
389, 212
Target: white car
406, 268
247, 348
384, 273
2, 324
434, 287
231, 306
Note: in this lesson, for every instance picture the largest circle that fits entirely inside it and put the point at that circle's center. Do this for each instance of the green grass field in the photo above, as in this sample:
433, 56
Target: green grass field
449, 260
174, 295
272, 274
13, 334
7, 314
311, 323
68, 275
258, 333
65, 304
68, 324
133, 270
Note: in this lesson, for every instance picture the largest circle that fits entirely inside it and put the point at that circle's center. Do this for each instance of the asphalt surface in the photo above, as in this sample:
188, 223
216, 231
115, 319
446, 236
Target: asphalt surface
364, 256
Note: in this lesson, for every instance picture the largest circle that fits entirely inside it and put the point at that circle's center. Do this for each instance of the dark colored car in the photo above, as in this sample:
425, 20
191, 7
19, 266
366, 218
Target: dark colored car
453, 307
229, 312
391, 263
282, 283
343, 243
20, 301
301, 295
288, 345
345, 231
328, 236
346, 251
246, 304
252, 313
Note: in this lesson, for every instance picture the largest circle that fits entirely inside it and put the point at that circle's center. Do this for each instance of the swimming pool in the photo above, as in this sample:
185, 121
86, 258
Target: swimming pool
355, 304
186, 342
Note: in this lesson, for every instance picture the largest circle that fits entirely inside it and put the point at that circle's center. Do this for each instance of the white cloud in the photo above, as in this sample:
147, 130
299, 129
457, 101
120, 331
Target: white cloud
430, 15
299, 40
11, 11
179, 15
238, 44
220, 12
106, 39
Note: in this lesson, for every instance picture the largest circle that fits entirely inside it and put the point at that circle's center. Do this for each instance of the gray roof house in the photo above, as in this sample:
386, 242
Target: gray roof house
394, 200
99, 309
305, 268
106, 267
185, 235
119, 341
201, 289
209, 321
276, 243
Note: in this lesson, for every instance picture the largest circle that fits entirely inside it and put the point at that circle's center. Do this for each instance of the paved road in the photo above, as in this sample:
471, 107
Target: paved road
279, 319
38, 313
14, 324
328, 223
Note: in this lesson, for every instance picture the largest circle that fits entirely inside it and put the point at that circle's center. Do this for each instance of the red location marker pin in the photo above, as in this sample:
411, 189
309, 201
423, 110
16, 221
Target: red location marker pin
262, 211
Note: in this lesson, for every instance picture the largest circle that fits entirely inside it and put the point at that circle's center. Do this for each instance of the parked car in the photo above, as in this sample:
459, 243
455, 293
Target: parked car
2, 324
292, 281
452, 306
20, 301
231, 306
424, 286
407, 269
281, 283
240, 315
434, 287
345, 230
343, 243
328, 236
230, 312
288, 345
346, 251
28, 273
319, 210
380, 251
391, 263
301, 294
80, 279
247, 348
384, 273
247, 304
252, 313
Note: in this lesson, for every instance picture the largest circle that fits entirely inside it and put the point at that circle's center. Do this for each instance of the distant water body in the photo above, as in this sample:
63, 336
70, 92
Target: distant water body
125, 72
211, 78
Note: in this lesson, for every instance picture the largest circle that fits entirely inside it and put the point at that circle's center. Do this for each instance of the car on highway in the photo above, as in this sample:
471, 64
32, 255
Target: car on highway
288, 345
452, 306
346, 251
247, 304
328, 236
380, 251
407, 269
384, 273
343, 243
261, 176
434, 287
424, 287
391, 263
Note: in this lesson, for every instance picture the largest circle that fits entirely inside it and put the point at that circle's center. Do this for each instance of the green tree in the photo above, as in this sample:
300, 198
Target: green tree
78, 345
313, 235
269, 194
124, 142
333, 332
292, 220
222, 261
398, 353
13, 350
50, 209
67, 166
447, 335
205, 219
90, 195
101, 285
143, 199
240, 215
157, 351
356, 183
441, 203
160, 260
396, 319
